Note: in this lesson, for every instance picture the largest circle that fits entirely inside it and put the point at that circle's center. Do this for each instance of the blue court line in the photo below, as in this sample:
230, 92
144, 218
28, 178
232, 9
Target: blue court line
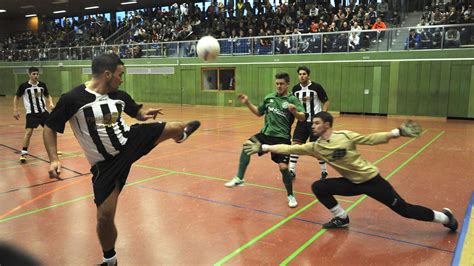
299, 219
462, 237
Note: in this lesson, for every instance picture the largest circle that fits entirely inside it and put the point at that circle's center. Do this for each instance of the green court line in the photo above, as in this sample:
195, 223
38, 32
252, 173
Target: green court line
268, 231
322, 231
77, 199
251, 242
222, 179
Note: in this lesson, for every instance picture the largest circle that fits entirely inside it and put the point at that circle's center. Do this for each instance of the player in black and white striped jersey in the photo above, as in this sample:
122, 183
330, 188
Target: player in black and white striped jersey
314, 99
34, 93
94, 111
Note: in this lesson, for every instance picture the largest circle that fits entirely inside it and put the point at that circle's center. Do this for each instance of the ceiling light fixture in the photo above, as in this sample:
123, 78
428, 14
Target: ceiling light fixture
59, 12
128, 3
30, 15
2, 11
91, 7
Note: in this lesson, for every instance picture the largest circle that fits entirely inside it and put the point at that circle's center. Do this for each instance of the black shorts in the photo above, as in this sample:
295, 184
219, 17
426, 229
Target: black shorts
277, 158
34, 120
303, 132
105, 174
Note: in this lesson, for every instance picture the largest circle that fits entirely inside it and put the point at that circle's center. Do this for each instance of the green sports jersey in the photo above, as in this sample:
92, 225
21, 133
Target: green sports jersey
340, 152
278, 119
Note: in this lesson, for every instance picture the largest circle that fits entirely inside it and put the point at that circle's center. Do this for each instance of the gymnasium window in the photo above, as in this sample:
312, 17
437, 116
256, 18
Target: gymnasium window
218, 79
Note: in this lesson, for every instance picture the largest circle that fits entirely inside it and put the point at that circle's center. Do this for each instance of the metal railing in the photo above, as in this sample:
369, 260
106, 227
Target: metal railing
396, 39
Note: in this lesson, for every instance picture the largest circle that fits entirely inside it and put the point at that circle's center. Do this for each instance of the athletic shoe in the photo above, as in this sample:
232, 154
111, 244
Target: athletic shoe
235, 182
189, 129
109, 262
453, 223
293, 174
324, 175
23, 158
337, 222
292, 203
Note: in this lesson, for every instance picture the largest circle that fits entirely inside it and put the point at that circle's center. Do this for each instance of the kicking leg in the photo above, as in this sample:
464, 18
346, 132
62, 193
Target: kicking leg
178, 131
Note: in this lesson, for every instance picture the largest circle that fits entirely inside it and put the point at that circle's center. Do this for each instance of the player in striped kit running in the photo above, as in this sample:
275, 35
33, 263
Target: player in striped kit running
94, 111
33, 93
314, 100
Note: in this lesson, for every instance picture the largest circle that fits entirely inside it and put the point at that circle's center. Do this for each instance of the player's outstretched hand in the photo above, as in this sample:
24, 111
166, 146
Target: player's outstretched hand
243, 98
149, 114
252, 147
410, 128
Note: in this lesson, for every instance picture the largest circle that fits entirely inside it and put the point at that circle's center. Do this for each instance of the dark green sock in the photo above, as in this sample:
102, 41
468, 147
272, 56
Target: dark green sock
287, 181
243, 163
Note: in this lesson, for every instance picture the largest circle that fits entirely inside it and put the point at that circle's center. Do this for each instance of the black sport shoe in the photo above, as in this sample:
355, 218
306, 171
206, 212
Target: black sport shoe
337, 222
189, 129
324, 175
453, 223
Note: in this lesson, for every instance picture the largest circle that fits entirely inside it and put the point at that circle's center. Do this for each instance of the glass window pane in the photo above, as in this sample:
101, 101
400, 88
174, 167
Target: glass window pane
227, 79
209, 79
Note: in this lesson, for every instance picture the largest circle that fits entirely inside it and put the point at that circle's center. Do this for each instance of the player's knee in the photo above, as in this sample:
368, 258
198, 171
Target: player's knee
283, 167
318, 187
402, 208
105, 217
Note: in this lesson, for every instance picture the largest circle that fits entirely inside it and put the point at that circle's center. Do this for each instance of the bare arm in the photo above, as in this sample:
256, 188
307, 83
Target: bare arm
16, 114
51, 103
51, 145
326, 106
245, 100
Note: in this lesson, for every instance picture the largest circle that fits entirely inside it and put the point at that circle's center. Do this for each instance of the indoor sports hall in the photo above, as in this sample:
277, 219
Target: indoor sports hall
175, 208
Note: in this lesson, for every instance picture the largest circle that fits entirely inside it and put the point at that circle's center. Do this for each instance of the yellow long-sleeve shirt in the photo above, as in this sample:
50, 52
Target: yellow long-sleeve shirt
341, 153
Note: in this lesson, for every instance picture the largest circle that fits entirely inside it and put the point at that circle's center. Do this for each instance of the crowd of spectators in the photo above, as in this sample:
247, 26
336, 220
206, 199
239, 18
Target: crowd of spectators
234, 23
428, 34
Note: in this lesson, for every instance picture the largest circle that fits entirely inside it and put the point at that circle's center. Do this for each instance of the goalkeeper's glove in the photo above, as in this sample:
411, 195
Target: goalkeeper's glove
252, 147
408, 128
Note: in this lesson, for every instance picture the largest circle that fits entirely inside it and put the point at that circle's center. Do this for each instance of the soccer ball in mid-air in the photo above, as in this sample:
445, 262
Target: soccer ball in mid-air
208, 48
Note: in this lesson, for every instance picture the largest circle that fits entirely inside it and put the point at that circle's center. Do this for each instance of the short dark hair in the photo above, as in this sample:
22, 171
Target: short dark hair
105, 62
326, 117
283, 75
33, 69
305, 69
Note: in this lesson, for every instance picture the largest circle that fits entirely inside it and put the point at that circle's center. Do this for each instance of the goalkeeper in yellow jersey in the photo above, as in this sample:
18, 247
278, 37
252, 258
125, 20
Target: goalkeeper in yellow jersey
338, 149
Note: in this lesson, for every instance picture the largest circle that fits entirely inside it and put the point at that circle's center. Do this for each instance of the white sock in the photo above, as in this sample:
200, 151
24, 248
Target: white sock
338, 211
322, 164
293, 161
23, 152
110, 261
440, 217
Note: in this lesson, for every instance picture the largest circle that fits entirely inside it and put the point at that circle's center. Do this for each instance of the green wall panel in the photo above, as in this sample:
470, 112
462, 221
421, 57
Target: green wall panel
437, 83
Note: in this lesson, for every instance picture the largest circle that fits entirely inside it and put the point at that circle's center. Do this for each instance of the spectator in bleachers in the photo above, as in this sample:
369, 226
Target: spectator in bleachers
413, 40
354, 41
426, 39
452, 38
380, 26
467, 32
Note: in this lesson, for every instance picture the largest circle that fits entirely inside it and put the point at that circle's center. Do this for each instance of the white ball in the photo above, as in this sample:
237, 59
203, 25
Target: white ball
208, 48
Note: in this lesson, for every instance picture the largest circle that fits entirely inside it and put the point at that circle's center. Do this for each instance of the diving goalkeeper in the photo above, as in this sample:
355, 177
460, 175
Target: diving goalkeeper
338, 149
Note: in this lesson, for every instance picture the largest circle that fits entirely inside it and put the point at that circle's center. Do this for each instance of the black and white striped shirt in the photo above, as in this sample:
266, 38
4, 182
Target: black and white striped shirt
33, 97
96, 120
312, 96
